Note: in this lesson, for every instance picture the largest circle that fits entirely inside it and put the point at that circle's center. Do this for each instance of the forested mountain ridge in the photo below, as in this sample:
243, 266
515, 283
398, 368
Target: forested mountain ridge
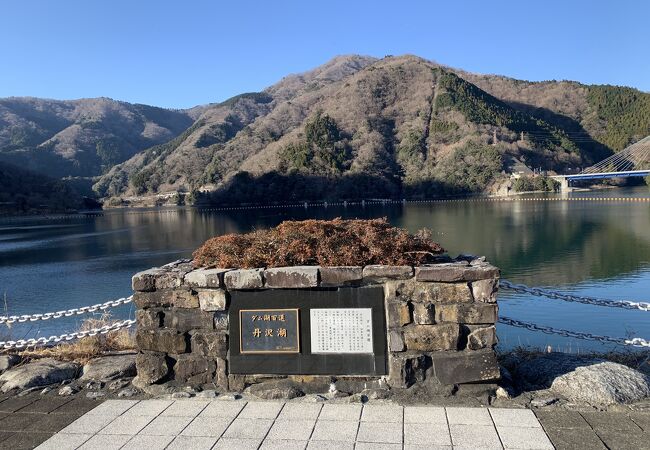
615, 116
82, 137
354, 127
202, 153
397, 126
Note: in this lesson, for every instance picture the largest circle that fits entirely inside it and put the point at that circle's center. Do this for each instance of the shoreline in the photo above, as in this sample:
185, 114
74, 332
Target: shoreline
138, 209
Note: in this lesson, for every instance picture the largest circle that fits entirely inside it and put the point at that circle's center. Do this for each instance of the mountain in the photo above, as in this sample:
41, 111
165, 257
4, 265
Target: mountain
615, 116
209, 147
391, 127
82, 137
354, 127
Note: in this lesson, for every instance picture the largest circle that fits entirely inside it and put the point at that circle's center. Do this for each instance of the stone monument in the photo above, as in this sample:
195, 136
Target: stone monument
373, 325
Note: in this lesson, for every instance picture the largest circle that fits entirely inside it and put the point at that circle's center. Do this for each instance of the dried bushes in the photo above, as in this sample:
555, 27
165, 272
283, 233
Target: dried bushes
319, 242
84, 349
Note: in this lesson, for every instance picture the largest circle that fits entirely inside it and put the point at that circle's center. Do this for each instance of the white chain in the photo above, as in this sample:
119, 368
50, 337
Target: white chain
635, 342
625, 304
66, 337
66, 313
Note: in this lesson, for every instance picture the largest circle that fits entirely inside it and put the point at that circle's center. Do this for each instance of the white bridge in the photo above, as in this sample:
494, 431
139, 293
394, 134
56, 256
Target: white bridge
633, 161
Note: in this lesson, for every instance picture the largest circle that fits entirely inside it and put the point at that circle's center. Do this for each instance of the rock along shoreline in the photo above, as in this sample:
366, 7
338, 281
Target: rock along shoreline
536, 381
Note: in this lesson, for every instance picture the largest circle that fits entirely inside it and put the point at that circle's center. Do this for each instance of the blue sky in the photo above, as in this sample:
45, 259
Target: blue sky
183, 53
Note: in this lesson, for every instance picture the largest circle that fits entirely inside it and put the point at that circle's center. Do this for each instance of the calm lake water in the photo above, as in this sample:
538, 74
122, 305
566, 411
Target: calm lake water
584, 247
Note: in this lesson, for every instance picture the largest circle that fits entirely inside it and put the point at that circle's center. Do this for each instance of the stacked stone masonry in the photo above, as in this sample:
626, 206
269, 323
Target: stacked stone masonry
440, 319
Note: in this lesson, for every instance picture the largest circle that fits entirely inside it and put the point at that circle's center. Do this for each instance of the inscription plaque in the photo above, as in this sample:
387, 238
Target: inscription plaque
303, 355
269, 331
341, 330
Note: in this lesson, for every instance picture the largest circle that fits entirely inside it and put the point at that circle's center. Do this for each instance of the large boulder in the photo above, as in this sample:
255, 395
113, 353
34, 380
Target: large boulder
42, 372
604, 383
540, 372
106, 368
276, 390
581, 379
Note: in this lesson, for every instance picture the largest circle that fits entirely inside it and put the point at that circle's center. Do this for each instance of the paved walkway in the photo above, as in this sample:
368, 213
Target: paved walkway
192, 424
65, 423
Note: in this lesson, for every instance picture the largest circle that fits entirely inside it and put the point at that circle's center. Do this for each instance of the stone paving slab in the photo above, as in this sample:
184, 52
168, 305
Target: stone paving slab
192, 443
300, 411
76, 407
642, 420
106, 442
189, 408
63, 441
427, 434
210, 427
223, 409
48, 423
514, 417
325, 445
474, 436
335, 431
624, 440
575, 439
340, 412
468, 416
558, 418
291, 430
14, 404
524, 438
600, 420
425, 414
45, 406
381, 433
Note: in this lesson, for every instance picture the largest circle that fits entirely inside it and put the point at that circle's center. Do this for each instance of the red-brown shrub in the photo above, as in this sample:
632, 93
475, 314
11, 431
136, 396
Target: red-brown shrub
319, 242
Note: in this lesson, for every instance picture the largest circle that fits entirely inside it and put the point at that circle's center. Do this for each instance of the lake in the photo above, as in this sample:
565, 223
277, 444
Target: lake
591, 248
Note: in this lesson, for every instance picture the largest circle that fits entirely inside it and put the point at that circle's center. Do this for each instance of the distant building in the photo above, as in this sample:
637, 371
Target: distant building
518, 169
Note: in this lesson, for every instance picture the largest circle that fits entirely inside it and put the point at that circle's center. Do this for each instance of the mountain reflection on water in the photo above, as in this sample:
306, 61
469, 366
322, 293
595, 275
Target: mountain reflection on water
585, 247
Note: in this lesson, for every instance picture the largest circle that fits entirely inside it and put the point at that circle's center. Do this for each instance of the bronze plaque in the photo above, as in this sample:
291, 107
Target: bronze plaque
269, 331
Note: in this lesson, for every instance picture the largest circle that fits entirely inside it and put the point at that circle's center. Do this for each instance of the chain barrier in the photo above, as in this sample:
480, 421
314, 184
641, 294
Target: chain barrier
21, 343
635, 342
66, 313
504, 284
625, 304
9, 219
